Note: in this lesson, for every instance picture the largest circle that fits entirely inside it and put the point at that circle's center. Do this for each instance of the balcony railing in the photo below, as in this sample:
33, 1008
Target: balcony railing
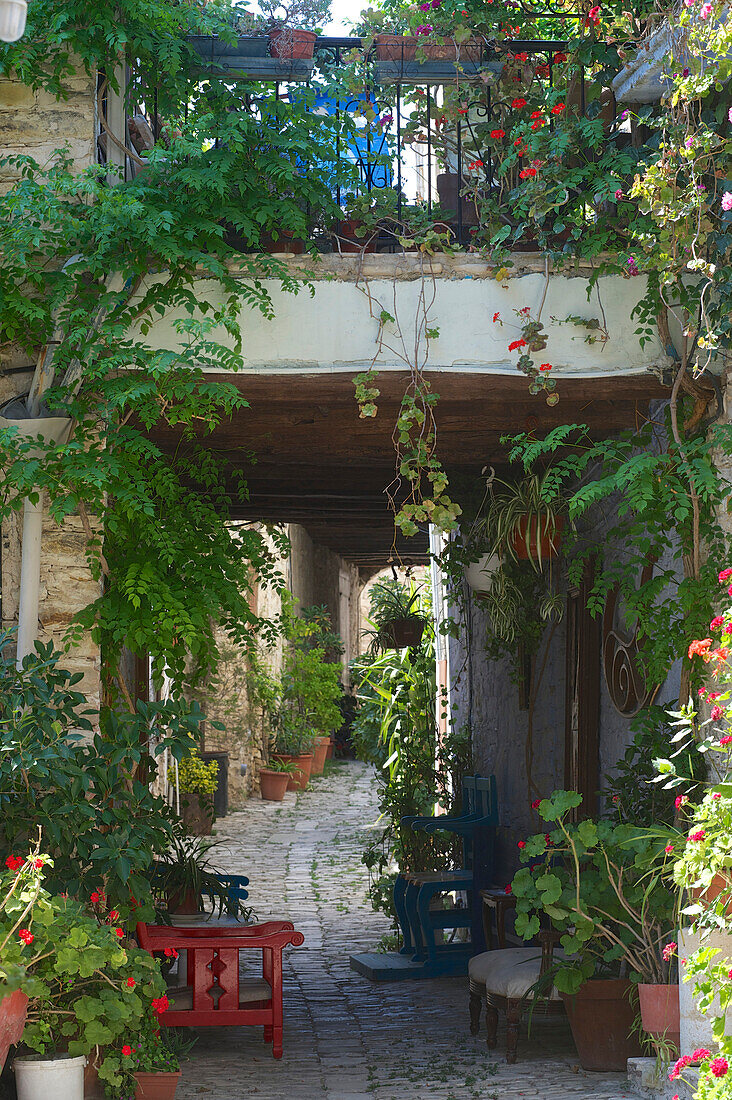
441, 162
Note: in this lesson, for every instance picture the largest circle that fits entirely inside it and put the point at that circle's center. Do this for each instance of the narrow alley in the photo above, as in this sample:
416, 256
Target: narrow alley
346, 1038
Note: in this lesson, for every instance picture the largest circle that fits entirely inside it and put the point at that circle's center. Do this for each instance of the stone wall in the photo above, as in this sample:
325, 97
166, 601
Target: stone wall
35, 123
317, 577
67, 586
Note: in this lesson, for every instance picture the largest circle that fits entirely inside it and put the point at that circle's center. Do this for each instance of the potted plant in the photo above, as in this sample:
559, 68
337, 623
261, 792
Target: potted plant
197, 780
150, 1062
20, 887
384, 33
86, 987
320, 752
396, 615
364, 213
605, 892
525, 519
249, 38
274, 778
184, 873
293, 26
293, 744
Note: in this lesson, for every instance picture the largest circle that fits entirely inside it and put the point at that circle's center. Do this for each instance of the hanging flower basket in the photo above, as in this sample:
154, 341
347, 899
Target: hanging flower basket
479, 574
535, 540
399, 633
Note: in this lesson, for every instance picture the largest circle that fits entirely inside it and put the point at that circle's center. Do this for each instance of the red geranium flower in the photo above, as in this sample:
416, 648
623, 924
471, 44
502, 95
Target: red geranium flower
545, 366
525, 173
559, 58
131, 983
516, 344
518, 102
25, 936
535, 804
557, 108
498, 134
126, 1050
522, 844
496, 317
14, 863
119, 932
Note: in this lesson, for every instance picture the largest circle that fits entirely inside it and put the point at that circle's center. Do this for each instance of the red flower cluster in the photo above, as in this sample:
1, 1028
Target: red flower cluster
700, 1055
126, 1050
160, 1004
719, 1067
97, 898
669, 950
680, 800
131, 983
119, 932
725, 575
545, 366
526, 173
496, 317
697, 837
593, 16
25, 936
516, 344
522, 844
498, 134
681, 1065
700, 648
559, 58
716, 622
535, 804
518, 103
508, 889
170, 953
14, 863
475, 164
726, 740
558, 108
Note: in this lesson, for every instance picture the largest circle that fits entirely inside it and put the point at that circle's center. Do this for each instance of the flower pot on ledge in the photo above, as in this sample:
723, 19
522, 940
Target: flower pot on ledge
346, 239
290, 43
320, 750
660, 1014
395, 47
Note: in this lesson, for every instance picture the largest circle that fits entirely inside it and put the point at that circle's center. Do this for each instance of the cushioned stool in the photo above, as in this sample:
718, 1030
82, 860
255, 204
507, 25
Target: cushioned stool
504, 978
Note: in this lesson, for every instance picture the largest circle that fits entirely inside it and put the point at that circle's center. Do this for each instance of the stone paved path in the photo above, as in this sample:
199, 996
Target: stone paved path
345, 1038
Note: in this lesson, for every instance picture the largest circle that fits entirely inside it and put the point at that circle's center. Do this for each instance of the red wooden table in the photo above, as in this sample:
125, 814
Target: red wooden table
216, 995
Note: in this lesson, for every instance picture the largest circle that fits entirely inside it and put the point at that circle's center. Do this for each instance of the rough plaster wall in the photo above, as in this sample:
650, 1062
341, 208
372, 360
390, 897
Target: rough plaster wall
484, 695
35, 123
315, 574
67, 586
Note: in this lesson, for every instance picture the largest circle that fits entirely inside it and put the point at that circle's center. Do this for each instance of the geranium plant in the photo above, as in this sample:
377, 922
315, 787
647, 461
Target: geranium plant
601, 886
87, 984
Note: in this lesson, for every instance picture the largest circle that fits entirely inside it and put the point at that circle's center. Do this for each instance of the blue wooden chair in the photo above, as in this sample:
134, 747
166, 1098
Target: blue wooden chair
414, 892
235, 891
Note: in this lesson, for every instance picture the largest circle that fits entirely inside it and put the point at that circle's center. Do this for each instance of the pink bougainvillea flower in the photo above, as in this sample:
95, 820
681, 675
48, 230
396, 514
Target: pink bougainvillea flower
716, 622
705, 10
697, 837
726, 573
668, 849
716, 796
669, 950
727, 200
729, 114
726, 740
719, 1067
618, 195
680, 800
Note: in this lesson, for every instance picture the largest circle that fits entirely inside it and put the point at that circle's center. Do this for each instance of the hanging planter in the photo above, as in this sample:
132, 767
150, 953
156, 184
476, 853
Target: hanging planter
537, 538
399, 633
479, 574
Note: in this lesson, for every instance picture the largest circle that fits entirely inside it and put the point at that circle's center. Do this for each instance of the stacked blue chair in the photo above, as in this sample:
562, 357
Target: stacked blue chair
414, 892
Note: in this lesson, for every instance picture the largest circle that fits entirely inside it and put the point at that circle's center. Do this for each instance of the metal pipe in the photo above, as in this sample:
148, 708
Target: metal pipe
30, 578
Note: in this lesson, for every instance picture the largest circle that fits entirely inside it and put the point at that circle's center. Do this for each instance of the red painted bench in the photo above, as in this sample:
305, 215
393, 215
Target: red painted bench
216, 995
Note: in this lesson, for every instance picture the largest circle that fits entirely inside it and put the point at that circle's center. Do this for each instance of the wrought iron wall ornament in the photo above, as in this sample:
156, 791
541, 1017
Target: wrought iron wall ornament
620, 657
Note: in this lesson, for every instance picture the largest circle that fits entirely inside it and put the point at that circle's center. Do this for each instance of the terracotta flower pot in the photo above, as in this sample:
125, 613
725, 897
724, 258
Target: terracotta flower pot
197, 814
286, 242
601, 1017
720, 884
273, 784
320, 750
183, 903
331, 749
300, 778
12, 1021
346, 238
289, 43
659, 1005
451, 51
549, 540
402, 632
395, 47
156, 1086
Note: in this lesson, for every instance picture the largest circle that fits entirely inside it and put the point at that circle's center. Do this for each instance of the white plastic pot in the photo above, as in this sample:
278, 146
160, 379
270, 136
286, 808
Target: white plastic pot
479, 574
59, 1078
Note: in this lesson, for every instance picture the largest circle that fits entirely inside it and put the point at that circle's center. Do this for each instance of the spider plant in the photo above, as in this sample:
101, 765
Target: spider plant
184, 872
525, 518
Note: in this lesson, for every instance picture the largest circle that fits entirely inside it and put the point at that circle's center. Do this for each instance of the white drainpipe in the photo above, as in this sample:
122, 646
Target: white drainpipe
53, 429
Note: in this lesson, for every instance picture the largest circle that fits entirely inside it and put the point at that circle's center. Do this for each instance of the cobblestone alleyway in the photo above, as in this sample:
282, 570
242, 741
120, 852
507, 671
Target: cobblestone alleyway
345, 1038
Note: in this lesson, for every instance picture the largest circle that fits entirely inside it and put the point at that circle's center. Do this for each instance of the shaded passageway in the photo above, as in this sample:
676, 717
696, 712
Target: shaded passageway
345, 1038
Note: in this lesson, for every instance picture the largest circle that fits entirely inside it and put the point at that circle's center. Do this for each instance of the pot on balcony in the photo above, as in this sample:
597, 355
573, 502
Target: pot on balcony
286, 242
346, 239
395, 47
450, 50
291, 43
